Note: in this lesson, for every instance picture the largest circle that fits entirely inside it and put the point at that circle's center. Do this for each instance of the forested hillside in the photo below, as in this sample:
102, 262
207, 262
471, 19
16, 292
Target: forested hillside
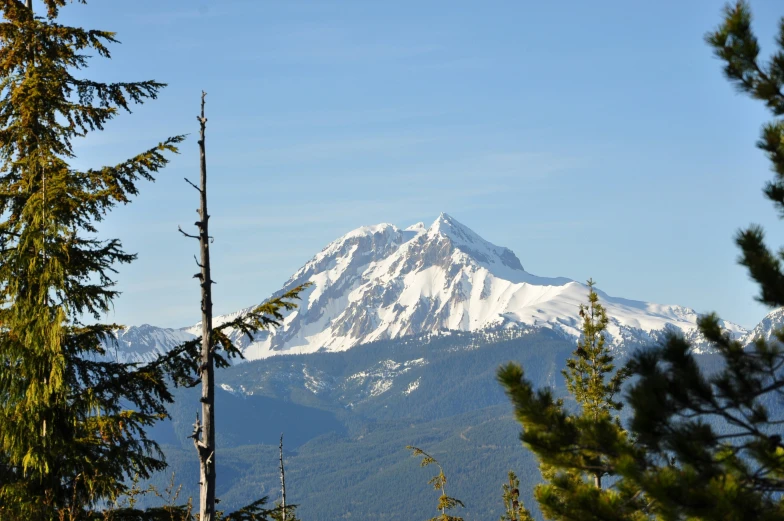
338, 431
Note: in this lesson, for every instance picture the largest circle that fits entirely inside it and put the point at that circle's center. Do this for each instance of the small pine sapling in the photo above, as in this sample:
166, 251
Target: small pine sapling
576, 449
514, 509
438, 481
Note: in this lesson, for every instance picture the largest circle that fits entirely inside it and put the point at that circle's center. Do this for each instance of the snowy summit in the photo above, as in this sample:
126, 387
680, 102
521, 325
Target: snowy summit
381, 282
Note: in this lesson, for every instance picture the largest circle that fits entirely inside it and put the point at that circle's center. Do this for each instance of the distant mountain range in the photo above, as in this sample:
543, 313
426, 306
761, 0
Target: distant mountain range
382, 282
397, 342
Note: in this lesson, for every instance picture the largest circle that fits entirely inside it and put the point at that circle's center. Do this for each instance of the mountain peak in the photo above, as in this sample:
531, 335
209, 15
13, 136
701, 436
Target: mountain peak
380, 282
470, 243
364, 231
446, 223
417, 228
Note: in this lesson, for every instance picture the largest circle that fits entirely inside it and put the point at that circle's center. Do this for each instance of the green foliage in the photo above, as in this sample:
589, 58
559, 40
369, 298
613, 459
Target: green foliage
291, 513
713, 445
730, 469
182, 362
71, 426
707, 445
125, 508
438, 481
588, 369
514, 508
577, 449
256, 511
734, 43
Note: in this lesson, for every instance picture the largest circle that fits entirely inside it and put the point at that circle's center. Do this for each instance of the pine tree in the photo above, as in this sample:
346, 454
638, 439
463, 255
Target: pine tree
514, 509
714, 448
707, 446
590, 374
71, 424
577, 449
438, 481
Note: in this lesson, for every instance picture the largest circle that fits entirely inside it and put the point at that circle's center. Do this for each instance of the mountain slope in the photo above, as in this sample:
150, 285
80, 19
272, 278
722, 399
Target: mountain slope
381, 282
347, 417
142, 344
765, 330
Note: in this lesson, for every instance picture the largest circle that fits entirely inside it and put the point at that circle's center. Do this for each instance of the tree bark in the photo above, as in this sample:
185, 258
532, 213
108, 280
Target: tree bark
29, 4
206, 445
282, 483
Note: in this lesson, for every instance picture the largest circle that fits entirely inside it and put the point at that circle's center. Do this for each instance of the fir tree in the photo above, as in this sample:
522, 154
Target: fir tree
438, 481
71, 425
72, 422
577, 449
514, 509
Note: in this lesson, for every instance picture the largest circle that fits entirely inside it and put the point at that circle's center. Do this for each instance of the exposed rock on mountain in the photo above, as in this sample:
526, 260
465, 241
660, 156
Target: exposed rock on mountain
381, 282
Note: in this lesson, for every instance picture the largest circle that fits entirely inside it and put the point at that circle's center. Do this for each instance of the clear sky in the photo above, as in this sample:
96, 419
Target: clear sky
594, 139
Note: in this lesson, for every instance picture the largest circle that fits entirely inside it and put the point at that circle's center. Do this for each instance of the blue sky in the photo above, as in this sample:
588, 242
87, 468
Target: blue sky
594, 139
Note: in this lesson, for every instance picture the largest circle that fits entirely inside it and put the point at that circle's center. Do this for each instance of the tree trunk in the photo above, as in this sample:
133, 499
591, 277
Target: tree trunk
206, 445
597, 480
29, 4
282, 483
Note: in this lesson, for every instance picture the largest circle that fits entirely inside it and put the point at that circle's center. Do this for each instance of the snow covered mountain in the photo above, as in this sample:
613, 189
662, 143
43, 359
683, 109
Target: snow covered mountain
144, 343
381, 282
772, 322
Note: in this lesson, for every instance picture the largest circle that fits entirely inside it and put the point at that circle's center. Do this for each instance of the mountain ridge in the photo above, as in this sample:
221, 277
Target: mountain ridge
381, 282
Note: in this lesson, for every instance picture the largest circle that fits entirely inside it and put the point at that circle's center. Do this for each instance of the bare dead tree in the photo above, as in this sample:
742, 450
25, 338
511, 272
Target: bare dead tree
282, 482
266, 315
204, 433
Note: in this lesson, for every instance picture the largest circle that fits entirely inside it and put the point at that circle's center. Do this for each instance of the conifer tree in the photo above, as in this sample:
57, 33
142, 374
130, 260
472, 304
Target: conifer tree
438, 481
708, 445
577, 449
590, 374
71, 424
514, 509
712, 440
